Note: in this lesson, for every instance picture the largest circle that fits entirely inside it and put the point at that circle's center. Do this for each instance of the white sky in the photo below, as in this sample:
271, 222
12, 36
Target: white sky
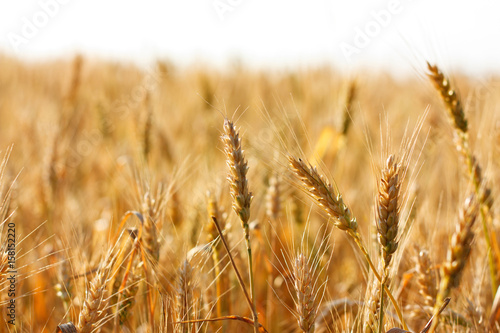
462, 35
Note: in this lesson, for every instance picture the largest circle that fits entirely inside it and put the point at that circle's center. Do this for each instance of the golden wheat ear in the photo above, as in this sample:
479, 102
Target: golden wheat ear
331, 201
95, 303
303, 283
388, 209
318, 188
242, 198
458, 253
482, 190
449, 97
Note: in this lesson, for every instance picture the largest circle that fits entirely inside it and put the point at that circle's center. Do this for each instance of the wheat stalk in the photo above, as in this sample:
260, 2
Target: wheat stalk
221, 275
242, 198
317, 187
151, 207
4, 265
483, 193
127, 297
273, 212
458, 253
351, 95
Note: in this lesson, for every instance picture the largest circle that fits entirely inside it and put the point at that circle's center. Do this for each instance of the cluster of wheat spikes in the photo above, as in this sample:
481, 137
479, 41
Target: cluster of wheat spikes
135, 206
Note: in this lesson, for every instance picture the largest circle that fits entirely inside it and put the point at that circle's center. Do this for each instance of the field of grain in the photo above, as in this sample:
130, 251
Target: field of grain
169, 199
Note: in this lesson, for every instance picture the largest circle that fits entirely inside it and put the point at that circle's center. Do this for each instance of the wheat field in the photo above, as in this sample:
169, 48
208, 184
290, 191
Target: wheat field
170, 199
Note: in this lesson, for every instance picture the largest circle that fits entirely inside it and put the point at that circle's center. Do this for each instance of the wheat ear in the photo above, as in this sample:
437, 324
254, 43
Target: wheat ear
304, 289
324, 194
458, 253
388, 209
426, 278
95, 303
242, 198
372, 307
318, 188
483, 193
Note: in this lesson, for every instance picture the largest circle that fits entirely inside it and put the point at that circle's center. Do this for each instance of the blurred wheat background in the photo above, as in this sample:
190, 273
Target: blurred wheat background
231, 166
113, 174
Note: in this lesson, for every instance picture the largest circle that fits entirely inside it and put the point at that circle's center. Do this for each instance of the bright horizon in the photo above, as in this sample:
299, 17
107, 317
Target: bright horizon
394, 35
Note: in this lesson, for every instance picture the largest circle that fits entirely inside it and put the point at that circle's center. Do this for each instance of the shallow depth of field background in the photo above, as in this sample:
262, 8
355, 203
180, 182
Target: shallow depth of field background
105, 101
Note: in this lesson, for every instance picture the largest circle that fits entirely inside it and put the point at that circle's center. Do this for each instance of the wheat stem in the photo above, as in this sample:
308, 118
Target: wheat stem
238, 169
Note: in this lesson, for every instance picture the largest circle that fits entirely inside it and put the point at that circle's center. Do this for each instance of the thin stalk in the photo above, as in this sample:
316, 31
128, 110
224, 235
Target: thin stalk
251, 278
248, 321
483, 210
357, 238
381, 315
433, 322
218, 281
238, 275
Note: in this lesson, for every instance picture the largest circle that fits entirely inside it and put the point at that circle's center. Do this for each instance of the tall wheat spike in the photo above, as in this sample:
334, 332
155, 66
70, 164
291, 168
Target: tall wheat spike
242, 198
388, 209
458, 253
483, 192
